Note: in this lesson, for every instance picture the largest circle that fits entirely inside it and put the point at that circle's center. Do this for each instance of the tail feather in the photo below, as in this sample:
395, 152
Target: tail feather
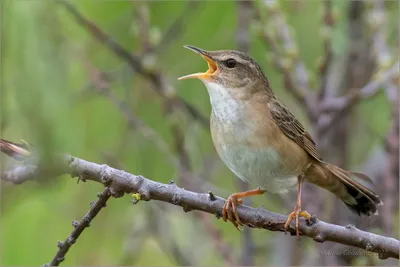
358, 198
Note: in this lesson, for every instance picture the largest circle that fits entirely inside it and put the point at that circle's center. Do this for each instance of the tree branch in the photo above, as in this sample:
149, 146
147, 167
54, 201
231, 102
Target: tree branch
80, 227
120, 182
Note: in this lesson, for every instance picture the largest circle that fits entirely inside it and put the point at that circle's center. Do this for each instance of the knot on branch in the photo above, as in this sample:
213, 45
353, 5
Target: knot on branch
212, 196
176, 199
311, 221
351, 227
75, 224
320, 238
105, 175
60, 244
187, 208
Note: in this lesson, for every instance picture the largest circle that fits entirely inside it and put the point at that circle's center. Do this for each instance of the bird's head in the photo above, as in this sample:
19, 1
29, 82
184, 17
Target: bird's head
230, 69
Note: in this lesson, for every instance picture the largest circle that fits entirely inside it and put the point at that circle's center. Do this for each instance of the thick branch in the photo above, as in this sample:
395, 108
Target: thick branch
120, 182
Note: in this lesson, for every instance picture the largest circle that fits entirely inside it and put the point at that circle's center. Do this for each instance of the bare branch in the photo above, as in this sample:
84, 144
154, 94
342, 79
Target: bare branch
80, 227
120, 182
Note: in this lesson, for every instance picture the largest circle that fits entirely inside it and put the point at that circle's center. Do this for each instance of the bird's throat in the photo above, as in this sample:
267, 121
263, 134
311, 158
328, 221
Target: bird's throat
226, 103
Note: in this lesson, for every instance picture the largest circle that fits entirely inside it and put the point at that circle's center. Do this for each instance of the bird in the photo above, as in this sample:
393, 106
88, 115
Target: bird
263, 143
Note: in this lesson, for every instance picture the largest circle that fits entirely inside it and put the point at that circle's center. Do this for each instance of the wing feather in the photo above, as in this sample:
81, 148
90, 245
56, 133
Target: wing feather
292, 128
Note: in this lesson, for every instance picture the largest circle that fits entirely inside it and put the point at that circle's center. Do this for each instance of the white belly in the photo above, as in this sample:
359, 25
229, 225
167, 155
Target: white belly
258, 166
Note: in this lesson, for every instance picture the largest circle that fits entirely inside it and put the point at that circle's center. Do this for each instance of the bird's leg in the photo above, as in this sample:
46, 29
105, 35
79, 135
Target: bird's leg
236, 199
297, 212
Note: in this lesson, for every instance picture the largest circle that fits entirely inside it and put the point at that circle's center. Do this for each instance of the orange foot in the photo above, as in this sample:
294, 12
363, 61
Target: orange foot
297, 212
231, 202
229, 211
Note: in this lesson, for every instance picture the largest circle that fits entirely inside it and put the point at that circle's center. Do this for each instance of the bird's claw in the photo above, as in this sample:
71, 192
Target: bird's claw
295, 214
230, 212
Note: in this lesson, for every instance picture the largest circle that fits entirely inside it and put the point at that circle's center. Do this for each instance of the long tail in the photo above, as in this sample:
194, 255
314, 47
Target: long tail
357, 197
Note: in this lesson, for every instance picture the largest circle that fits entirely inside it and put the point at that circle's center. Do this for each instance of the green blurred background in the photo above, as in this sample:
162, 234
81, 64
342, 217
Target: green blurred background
63, 90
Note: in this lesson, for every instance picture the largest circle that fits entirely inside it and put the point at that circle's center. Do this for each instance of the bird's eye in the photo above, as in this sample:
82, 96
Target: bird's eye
230, 63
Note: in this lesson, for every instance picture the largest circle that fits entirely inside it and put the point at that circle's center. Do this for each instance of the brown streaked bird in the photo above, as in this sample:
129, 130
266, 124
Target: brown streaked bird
263, 143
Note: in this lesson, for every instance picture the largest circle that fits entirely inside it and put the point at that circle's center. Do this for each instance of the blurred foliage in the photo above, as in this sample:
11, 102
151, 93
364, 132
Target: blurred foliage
49, 100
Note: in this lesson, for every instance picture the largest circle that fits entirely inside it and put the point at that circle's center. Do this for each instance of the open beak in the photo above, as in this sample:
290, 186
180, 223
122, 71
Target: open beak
212, 66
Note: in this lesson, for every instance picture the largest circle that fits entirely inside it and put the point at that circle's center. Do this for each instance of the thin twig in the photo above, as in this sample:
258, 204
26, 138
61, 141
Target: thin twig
120, 182
95, 208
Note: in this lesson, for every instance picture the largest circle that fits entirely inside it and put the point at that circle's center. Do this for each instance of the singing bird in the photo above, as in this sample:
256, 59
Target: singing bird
263, 143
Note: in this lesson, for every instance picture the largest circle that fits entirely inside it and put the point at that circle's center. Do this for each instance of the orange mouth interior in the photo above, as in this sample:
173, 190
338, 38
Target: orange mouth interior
212, 66
212, 70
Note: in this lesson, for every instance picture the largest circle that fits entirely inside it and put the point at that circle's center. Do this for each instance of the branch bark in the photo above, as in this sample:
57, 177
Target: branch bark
120, 182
